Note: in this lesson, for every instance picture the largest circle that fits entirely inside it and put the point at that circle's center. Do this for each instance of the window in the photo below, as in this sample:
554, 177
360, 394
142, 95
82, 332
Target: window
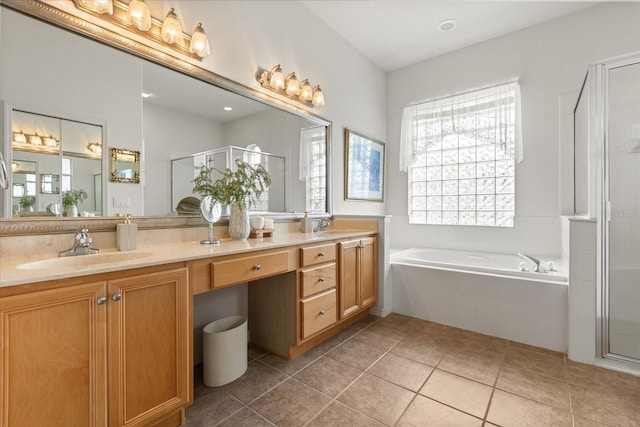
313, 160
460, 154
66, 174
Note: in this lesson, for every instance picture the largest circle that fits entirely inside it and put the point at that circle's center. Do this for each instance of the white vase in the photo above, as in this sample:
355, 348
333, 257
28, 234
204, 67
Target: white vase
72, 211
239, 226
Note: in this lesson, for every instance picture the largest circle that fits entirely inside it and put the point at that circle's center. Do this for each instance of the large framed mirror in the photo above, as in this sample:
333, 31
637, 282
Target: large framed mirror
183, 113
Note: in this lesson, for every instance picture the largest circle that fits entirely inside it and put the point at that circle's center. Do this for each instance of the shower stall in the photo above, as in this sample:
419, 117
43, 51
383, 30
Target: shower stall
607, 188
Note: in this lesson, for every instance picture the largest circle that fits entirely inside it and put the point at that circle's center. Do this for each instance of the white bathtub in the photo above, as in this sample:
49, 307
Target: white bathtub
482, 292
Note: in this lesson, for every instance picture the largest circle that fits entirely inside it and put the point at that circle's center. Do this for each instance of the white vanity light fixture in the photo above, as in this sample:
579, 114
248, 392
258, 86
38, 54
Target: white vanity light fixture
99, 6
171, 28
19, 137
138, 15
50, 141
199, 42
290, 87
34, 139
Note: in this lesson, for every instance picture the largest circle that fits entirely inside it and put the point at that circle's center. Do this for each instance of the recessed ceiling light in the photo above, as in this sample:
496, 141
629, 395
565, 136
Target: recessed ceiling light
228, 108
447, 24
145, 94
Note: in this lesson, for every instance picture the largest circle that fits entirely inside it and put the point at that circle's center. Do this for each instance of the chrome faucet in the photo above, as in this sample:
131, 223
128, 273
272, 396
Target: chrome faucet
322, 225
81, 246
538, 266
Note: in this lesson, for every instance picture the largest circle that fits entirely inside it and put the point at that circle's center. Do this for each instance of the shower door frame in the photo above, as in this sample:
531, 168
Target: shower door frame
600, 107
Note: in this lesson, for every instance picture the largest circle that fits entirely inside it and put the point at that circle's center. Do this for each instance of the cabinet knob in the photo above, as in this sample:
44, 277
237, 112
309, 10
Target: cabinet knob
321, 254
322, 312
116, 297
321, 279
102, 300
257, 267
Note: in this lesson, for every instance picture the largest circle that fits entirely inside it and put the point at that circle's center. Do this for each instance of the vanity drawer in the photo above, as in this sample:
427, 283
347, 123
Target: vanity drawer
247, 268
318, 313
312, 255
318, 279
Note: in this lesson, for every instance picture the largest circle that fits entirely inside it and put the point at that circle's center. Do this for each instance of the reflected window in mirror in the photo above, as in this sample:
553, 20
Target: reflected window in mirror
313, 167
49, 184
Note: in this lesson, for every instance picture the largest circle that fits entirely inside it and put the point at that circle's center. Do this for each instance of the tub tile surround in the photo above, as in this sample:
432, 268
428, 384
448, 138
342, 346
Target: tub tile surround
492, 382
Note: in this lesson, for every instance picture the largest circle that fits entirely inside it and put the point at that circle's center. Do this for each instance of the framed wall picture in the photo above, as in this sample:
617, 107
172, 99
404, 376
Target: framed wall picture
363, 167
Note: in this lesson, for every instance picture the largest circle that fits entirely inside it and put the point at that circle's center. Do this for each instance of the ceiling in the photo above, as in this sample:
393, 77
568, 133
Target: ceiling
397, 33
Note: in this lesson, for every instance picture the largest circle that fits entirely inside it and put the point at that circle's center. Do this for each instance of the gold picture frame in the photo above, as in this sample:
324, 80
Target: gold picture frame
125, 166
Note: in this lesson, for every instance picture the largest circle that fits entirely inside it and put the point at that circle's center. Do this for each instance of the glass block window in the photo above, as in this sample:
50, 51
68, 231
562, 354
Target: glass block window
66, 174
313, 170
460, 153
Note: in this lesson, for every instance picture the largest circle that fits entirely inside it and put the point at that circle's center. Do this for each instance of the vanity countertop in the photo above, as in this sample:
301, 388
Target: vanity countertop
23, 270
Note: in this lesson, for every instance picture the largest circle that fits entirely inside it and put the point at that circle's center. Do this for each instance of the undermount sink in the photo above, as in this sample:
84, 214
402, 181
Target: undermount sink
83, 260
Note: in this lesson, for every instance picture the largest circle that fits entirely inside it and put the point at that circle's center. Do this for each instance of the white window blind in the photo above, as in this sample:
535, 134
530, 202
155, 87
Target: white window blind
313, 161
460, 152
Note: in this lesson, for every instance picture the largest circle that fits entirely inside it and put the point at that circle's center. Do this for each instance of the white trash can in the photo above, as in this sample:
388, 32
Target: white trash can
225, 350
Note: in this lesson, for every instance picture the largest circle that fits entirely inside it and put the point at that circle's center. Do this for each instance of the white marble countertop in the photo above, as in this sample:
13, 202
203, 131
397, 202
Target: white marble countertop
22, 270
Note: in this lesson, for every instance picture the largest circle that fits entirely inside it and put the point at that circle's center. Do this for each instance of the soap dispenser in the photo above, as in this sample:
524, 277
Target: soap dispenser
127, 234
306, 224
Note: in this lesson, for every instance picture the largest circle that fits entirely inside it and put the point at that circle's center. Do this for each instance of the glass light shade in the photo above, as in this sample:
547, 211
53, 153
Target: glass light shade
19, 137
276, 81
35, 139
99, 6
50, 141
199, 42
138, 15
306, 92
95, 147
293, 88
318, 97
171, 29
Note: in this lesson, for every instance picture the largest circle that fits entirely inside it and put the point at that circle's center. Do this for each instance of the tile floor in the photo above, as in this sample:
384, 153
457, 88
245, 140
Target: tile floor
401, 371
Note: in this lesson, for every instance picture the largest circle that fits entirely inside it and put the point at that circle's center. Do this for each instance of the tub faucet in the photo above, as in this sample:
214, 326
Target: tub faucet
322, 225
538, 266
81, 246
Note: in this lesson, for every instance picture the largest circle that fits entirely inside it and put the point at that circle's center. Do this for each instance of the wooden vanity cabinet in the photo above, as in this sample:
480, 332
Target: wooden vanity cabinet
113, 352
358, 275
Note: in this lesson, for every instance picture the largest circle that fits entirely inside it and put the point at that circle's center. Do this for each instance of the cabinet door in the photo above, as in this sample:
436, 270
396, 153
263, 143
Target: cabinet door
349, 278
149, 347
368, 272
53, 349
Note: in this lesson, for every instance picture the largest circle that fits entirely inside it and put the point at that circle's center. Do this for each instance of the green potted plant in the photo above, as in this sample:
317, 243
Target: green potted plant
70, 200
27, 202
237, 189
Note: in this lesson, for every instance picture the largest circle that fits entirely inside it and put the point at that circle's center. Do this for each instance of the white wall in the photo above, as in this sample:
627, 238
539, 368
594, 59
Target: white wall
550, 60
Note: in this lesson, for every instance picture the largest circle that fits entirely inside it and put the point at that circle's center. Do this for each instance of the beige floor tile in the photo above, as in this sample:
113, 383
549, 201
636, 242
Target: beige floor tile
292, 366
357, 353
401, 371
381, 337
604, 379
423, 349
426, 412
461, 393
328, 375
527, 347
607, 407
377, 398
534, 386
479, 367
211, 405
290, 404
245, 418
507, 409
339, 415
258, 379
583, 422
254, 352
550, 366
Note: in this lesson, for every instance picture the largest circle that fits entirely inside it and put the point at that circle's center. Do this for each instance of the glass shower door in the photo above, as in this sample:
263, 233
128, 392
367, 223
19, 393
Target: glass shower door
623, 234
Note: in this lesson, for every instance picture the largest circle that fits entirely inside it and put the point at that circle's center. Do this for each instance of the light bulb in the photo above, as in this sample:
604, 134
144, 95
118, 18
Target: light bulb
293, 88
306, 92
99, 6
199, 42
318, 96
276, 81
35, 139
171, 29
50, 141
138, 15
19, 137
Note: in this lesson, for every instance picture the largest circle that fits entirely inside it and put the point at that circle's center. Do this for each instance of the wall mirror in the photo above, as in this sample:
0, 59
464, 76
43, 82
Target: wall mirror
184, 114
49, 184
125, 165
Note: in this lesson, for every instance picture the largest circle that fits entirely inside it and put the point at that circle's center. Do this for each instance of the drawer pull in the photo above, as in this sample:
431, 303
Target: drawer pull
322, 312
321, 254
257, 267
102, 300
116, 297
321, 279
